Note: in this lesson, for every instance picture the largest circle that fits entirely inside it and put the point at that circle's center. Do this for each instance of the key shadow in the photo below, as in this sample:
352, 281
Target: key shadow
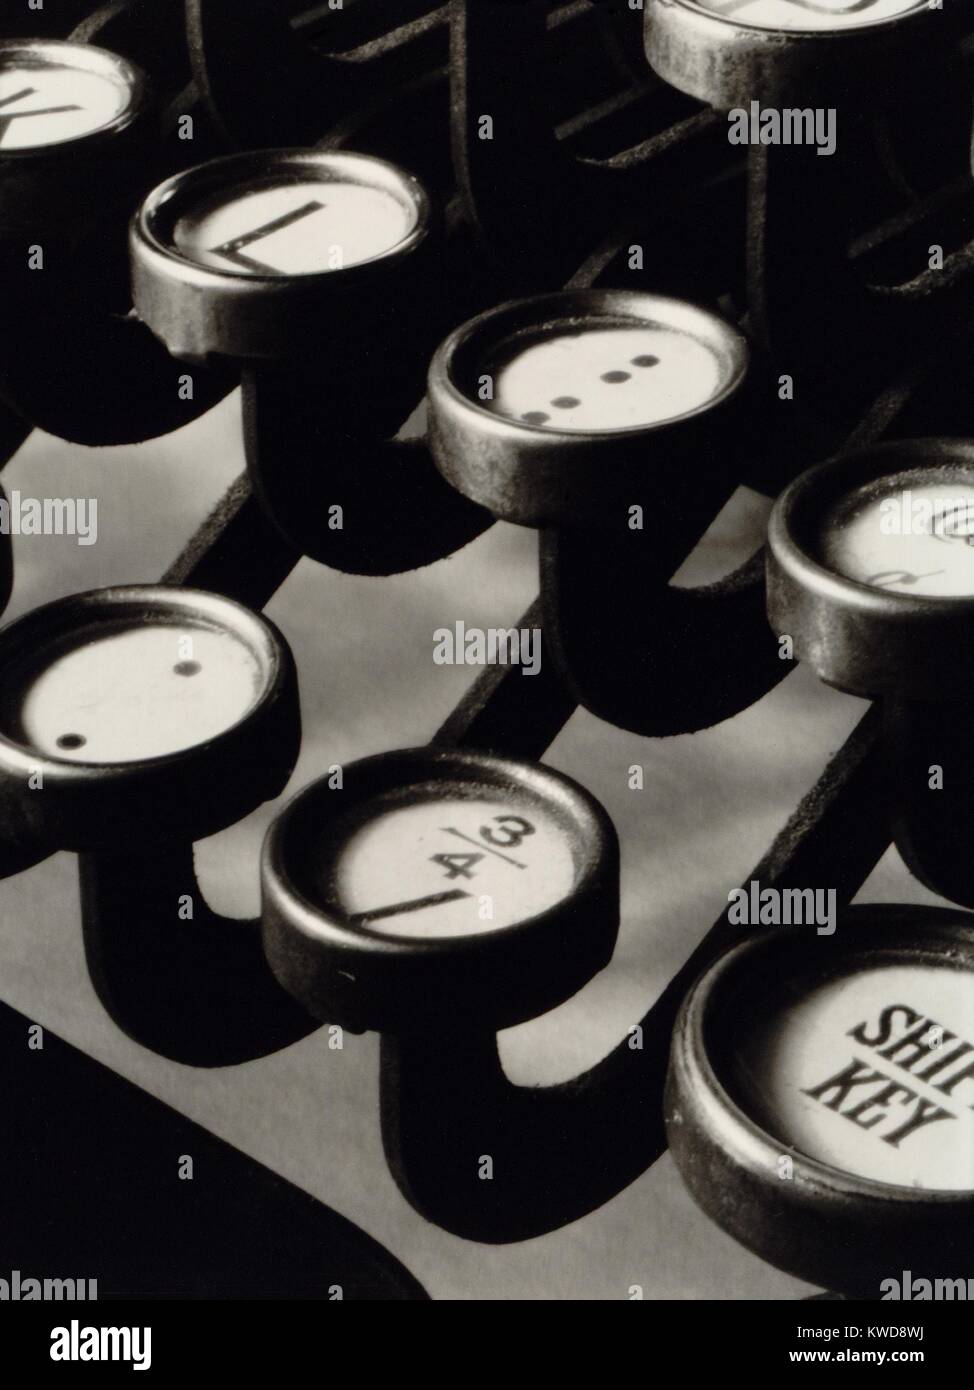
174, 975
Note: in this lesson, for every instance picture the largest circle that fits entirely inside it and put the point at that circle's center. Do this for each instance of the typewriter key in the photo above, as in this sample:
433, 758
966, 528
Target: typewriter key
871, 572
142, 711
819, 1100
55, 93
555, 409
730, 52
871, 569
267, 256
69, 112
434, 881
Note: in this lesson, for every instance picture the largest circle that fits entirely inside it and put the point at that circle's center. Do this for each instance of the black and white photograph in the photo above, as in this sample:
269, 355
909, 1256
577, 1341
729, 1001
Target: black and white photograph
486, 654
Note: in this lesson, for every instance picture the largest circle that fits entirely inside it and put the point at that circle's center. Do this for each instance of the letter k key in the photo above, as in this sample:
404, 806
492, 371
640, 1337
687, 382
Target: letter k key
6, 120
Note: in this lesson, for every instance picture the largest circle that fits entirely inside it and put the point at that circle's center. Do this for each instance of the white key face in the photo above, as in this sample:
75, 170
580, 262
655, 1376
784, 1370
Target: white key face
914, 540
436, 868
810, 14
140, 693
49, 105
294, 228
874, 1075
607, 378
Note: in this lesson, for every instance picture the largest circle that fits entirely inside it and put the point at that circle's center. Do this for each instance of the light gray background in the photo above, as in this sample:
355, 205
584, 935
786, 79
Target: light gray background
711, 804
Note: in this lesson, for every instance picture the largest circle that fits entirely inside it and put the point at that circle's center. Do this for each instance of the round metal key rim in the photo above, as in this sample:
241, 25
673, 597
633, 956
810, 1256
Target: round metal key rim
101, 62
728, 63
455, 360
120, 607
809, 498
829, 614
708, 1130
154, 222
717, 19
309, 943
411, 770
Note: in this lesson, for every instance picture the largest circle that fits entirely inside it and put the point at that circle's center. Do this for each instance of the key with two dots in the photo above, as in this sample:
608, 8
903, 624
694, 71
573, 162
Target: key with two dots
135, 721
145, 711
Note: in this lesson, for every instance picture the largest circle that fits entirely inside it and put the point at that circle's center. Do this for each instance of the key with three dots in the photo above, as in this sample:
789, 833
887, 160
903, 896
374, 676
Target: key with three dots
568, 408
145, 712
74, 127
617, 423
820, 1092
434, 883
871, 574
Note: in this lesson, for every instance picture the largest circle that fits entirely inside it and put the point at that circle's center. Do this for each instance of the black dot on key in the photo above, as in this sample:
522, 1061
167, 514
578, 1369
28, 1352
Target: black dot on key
536, 417
187, 668
566, 402
70, 741
615, 377
645, 360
